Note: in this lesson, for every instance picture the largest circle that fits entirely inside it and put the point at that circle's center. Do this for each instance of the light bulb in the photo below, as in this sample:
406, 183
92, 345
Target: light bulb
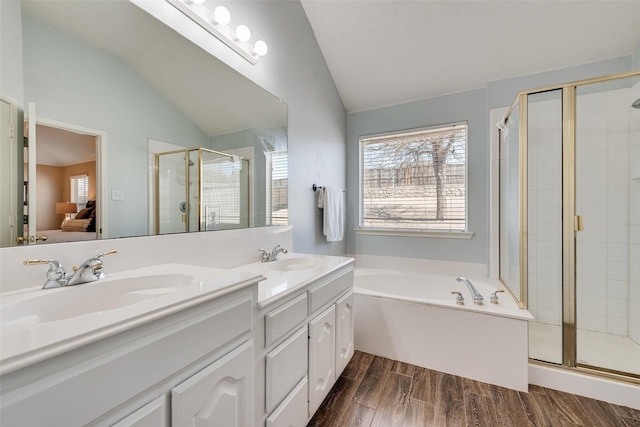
243, 33
260, 48
221, 15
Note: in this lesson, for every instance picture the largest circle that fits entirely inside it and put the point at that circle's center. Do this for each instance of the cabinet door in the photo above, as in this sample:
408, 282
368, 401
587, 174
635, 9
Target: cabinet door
322, 357
344, 332
221, 394
150, 415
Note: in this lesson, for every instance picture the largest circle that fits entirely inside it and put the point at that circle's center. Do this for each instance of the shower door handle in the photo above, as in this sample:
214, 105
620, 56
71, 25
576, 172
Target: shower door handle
579, 226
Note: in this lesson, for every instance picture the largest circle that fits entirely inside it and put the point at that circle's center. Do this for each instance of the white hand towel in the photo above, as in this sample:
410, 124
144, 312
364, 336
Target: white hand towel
333, 223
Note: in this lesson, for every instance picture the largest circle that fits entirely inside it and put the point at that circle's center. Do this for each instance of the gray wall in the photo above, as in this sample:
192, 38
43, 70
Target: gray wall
94, 89
469, 106
473, 106
295, 71
11, 47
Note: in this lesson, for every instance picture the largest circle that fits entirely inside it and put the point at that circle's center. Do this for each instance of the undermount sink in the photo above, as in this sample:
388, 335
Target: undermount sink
292, 264
73, 301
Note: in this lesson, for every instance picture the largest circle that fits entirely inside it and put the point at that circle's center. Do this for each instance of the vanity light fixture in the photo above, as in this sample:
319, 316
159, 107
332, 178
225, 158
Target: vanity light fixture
217, 23
243, 33
260, 48
221, 15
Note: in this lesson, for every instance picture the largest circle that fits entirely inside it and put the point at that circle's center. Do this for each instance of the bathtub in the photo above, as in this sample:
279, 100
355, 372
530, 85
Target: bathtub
412, 316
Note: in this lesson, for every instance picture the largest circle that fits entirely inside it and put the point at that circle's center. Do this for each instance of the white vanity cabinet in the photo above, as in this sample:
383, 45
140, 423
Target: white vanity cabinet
199, 360
308, 342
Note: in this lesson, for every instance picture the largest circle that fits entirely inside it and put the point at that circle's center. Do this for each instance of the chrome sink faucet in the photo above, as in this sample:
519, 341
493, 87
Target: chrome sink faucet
273, 255
477, 297
89, 271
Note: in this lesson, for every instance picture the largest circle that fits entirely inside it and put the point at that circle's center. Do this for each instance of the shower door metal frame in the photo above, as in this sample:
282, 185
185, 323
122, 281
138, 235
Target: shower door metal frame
571, 223
569, 302
157, 187
200, 190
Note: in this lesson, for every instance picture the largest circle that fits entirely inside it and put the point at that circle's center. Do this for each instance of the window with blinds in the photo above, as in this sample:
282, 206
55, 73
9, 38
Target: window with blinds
277, 196
79, 190
415, 179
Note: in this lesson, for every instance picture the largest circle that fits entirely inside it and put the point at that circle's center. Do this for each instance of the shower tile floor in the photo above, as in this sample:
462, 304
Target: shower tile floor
594, 348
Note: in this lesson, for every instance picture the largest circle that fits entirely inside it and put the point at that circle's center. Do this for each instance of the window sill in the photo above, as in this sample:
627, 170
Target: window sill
414, 233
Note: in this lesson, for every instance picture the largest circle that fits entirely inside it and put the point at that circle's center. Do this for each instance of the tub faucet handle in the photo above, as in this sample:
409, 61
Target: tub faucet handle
459, 297
494, 296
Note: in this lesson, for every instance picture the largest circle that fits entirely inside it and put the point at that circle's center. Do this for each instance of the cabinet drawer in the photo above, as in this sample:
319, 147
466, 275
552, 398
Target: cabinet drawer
284, 318
326, 291
294, 410
285, 367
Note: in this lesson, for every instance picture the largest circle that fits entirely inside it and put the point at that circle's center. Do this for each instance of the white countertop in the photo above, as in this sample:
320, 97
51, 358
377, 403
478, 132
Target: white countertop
38, 324
291, 272
28, 338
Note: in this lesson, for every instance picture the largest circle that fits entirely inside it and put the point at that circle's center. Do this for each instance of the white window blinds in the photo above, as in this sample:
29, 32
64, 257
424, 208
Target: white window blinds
79, 190
414, 179
277, 196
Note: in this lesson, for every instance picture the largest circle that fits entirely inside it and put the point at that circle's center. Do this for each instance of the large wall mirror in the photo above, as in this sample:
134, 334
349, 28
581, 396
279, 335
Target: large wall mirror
111, 88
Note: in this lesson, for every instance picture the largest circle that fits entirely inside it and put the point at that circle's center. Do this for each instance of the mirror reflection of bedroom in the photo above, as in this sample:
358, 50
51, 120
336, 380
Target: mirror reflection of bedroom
65, 185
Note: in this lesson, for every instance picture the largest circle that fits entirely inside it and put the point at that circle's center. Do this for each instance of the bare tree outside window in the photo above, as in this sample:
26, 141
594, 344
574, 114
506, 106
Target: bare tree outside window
414, 179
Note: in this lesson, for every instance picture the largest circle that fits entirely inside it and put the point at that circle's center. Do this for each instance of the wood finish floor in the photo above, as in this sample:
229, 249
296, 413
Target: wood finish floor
374, 391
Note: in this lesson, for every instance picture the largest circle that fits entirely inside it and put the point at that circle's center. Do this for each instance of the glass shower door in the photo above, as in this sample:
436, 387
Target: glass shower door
172, 173
608, 243
544, 225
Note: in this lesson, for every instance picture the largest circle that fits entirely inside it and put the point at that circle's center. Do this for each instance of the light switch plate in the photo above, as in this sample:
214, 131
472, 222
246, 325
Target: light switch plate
117, 195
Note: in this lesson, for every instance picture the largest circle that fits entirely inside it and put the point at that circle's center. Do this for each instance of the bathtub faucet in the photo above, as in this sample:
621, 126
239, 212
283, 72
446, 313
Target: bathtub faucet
477, 298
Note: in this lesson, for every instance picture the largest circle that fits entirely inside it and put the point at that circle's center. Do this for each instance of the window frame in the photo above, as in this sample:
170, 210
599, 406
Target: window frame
424, 230
73, 196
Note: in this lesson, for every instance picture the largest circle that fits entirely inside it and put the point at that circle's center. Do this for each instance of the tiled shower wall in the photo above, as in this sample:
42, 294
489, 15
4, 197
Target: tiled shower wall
545, 207
602, 198
608, 290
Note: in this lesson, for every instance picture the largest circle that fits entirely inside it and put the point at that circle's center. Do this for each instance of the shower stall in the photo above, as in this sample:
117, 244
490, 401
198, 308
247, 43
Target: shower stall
199, 189
569, 222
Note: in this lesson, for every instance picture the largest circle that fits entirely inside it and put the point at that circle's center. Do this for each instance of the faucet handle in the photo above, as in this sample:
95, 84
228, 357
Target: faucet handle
494, 296
103, 254
54, 265
55, 274
264, 255
459, 297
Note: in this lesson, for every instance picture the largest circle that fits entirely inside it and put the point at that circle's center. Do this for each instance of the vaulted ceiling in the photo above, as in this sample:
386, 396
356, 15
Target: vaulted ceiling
389, 52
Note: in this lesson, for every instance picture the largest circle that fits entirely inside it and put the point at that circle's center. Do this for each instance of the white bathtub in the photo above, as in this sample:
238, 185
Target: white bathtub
413, 317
